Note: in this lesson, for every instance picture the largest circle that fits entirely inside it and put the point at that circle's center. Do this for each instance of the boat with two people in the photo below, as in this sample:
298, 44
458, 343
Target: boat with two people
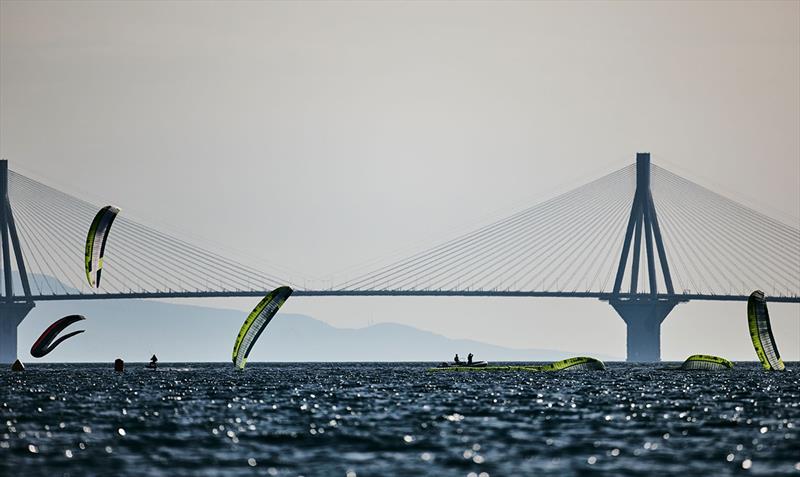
457, 363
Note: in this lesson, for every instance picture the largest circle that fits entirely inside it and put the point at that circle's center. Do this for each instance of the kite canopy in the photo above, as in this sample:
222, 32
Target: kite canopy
761, 332
45, 343
96, 242
706, 362
581, 363
255, 323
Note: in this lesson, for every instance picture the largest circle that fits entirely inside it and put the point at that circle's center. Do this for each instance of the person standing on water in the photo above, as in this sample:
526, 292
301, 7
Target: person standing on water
469, 358
456, 360
153, 362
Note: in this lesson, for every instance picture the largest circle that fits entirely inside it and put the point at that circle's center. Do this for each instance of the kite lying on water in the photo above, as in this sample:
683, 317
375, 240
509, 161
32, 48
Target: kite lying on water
761, 332
706, 362
45, 343
96, 242
255, 323
581, 363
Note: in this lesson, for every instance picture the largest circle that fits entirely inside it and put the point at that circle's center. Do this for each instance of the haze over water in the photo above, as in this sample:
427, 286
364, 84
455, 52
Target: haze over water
390, 127
372, 419
315, 139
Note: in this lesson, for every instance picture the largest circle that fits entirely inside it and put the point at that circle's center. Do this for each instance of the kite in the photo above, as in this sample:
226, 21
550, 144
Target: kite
96, 243
706, 363
255, 323
45, 343
761, 332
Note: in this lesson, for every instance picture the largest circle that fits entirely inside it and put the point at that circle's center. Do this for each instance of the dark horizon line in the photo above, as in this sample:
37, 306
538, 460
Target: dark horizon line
160, 363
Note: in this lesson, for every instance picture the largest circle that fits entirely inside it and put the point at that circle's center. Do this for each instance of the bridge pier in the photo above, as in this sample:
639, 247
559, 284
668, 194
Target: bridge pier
643, 312
11, 315
643, 317
13, 308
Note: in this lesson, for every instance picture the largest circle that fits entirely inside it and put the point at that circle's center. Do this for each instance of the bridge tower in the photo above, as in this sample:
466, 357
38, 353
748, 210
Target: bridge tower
13, 308
642, 312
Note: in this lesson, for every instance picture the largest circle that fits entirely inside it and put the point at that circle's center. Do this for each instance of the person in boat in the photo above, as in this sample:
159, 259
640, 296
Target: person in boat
153, 362
469, 358
456, 360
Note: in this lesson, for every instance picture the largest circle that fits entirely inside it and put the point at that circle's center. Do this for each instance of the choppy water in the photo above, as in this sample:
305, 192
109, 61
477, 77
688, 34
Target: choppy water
396, 419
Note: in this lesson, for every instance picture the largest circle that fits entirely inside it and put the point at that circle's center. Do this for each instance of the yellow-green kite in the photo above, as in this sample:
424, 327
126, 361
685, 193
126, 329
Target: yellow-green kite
96, 243
255, 323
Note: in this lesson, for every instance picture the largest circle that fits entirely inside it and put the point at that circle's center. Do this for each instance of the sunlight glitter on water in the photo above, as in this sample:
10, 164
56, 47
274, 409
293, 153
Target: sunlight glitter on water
386, 419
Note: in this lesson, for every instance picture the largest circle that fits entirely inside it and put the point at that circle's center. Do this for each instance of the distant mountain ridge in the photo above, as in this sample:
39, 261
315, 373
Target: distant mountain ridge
178, 332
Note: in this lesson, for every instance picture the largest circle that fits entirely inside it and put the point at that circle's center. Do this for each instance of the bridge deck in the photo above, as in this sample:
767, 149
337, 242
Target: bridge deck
427, 293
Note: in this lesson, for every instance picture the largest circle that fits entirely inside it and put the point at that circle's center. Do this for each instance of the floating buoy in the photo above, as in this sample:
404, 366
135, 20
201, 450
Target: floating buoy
17, 366
119, 365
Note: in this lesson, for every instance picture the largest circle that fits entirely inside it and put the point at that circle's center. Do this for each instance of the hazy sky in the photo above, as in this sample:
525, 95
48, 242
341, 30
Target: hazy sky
383, 126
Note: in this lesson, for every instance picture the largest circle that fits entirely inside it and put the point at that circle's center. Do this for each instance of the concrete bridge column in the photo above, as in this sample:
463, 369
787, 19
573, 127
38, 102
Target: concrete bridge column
643, 318
11, 315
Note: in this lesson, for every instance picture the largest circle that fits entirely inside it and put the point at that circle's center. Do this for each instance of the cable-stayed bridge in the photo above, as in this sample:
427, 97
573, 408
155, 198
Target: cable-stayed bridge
641, 238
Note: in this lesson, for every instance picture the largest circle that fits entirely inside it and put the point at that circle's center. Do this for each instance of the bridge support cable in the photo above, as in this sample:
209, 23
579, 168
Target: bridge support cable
709, 262
69, 221
32, 257
717, 257
55, 255
509, 267
740, 234
495, 256
133, 269
681, 252
541, 264
145, 254
145, 259
571, 252
593, 254
479, 265
518, 223
132, 264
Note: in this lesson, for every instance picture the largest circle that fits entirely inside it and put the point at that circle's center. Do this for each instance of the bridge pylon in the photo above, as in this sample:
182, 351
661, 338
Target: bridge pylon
13, 308
643, 313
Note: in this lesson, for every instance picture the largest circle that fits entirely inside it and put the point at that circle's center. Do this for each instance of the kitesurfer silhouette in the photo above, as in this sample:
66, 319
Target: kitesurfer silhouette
469, 358
153, 362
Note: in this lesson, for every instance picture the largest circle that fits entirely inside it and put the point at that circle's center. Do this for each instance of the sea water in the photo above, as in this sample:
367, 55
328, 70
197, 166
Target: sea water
376, 419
